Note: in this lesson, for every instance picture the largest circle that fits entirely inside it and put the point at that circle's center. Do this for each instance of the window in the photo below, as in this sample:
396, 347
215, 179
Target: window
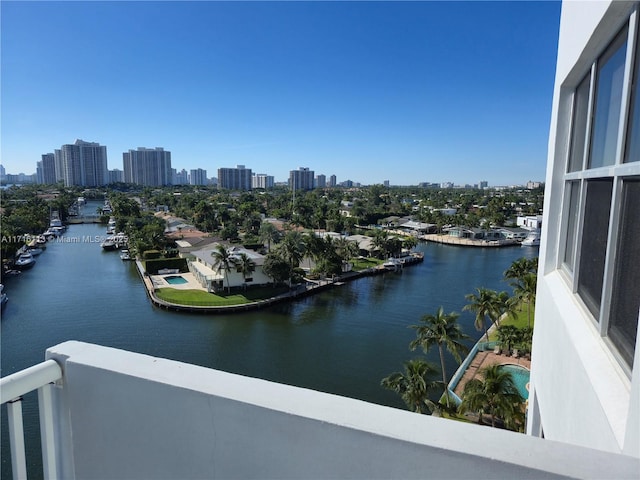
572, 223
608, 103
625, 302
594, 242
601, 216
581, 110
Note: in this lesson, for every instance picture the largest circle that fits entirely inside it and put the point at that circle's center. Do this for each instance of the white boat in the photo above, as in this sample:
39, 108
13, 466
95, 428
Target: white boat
35, 251
393, 264
125, 255
25, 261
115, 242
532, 239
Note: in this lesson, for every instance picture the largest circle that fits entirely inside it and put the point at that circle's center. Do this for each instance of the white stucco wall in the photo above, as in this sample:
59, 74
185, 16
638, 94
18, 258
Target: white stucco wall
126, 415
581, 393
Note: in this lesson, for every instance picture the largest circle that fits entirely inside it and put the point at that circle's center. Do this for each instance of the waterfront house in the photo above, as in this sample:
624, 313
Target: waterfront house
108, 413
511, 233
215, 278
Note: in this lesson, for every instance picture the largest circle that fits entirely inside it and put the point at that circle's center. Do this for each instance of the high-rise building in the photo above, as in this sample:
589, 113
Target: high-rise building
147, 166
47, 169
301, 179
116, 176
483, 184
585, 342
238, 178
198, 177
179, 178
321, 181
262, 181
83, 164
333, 181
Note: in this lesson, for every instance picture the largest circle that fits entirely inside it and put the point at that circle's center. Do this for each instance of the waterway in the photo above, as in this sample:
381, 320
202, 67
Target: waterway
342, 341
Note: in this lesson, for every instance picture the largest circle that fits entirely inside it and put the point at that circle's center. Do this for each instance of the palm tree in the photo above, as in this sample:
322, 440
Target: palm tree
442, 330
268, 233
484, 305
380, 238
495, 395
508, 335
246, 265
292, 249
410, 242
505, 305
222, 261
519, 268
414, 385
525, 290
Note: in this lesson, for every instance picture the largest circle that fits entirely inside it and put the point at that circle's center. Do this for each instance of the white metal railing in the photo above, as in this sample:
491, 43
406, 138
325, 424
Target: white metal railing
39, 377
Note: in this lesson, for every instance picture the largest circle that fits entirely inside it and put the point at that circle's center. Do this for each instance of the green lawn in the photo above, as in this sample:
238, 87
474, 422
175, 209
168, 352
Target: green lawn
521, 321
201, 298
364, 263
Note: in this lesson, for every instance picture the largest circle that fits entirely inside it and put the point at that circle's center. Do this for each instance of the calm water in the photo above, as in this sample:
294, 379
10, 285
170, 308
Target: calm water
342, 341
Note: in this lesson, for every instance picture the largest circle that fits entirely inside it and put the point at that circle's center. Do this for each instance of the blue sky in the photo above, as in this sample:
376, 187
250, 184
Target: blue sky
369, 91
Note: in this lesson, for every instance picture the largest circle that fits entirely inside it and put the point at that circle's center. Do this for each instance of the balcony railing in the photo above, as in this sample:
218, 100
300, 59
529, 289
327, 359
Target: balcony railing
12, 388
117, 414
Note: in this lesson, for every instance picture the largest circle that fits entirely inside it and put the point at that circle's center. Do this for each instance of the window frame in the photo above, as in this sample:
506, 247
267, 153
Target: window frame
617, 172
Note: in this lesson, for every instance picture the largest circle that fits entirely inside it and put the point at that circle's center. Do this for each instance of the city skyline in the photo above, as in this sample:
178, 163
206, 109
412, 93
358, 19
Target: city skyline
408, 92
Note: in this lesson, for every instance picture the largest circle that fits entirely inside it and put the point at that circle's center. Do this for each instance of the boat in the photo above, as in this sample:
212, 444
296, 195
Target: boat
115, 242
532, 239
35, 251
3, 296
125, 255
25, 261
393, 264
109, 243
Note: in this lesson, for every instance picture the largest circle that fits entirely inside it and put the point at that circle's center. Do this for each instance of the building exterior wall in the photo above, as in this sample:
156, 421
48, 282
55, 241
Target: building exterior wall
301, 179
198, 176
263, 181
147, 166
84, 164
238, 178
583, 391
48, 169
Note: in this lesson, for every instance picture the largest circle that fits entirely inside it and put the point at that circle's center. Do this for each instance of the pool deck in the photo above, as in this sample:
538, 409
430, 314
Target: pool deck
485, 358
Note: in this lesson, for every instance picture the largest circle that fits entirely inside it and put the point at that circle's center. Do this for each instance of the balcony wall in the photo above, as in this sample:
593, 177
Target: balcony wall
125, 415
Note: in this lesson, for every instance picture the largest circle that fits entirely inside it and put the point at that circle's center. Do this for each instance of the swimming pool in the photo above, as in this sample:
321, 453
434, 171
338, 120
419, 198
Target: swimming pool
175, 280
520, 377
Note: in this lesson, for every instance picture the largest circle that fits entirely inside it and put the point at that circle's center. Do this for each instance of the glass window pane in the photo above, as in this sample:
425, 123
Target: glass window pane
608, 103
625, 301
572, 223
594, 242
632, 153
580, 111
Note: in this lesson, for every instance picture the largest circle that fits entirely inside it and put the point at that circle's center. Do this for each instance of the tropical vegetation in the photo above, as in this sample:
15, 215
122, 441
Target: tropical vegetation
495, 394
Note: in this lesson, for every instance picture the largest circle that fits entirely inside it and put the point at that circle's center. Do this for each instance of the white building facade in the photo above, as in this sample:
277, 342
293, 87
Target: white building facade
217, 278
585, 378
